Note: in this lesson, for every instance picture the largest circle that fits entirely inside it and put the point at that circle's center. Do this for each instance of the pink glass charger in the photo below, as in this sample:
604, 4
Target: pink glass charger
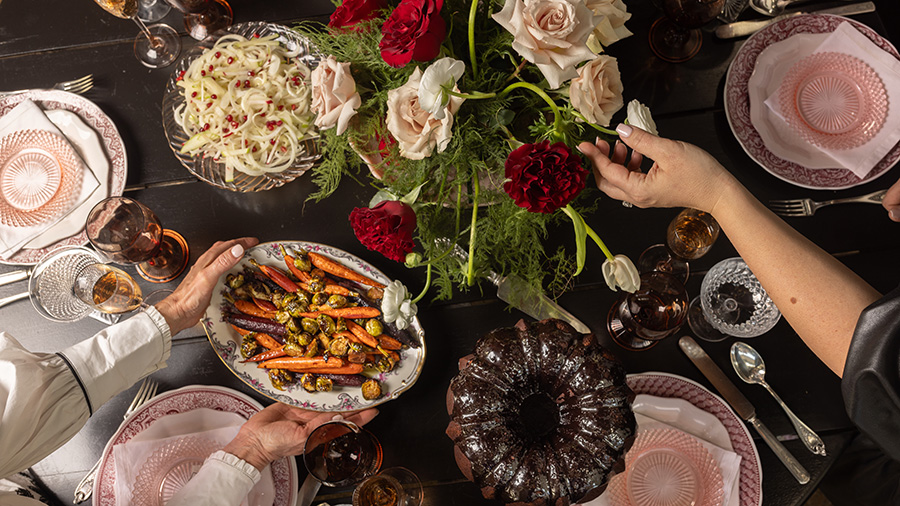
834, 100
737, 104
40, 177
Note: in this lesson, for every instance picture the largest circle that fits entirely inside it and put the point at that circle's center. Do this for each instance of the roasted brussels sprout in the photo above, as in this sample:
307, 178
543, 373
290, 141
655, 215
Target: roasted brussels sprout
260, 291
324, 384
249, 346
302, 297
374, 327
340, 324
319, 299
312, 349
339, 346
374, 293
304, 338
371, 390
282, 316
294, 349
309, 325
385, 363
235, 281
295, 308
316, 284
308, 382
356, 357
318, 273
280, 378
324, 340
291, 325
337, 301
301, 261
326, 324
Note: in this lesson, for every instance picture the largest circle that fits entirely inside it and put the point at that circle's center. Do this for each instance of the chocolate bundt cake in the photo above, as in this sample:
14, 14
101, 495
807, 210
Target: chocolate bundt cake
540, 415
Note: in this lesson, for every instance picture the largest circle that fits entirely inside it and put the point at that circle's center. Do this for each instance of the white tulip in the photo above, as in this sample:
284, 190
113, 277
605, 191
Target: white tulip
396, 306
639, 116
439, 77
621, 273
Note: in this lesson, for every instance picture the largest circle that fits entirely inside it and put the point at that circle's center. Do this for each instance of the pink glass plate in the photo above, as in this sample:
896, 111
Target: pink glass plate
40, 177
169, 468
737, 104
834, 100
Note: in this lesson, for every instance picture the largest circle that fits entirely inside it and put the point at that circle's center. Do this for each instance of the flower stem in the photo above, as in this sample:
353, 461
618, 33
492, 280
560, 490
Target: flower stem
557, 117
473, 12
470, 271
595, 127
474, 95
515, 74
427, 285
593, 235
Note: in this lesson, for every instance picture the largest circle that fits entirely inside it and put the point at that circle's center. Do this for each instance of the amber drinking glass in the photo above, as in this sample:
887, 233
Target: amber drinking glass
341, 453
107, 289
676, 37
395, 486
126, 231
157, 45
203, 17
655, 311
689, 236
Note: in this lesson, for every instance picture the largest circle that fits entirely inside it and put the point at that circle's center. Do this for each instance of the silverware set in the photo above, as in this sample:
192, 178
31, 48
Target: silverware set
79, 86
807, 207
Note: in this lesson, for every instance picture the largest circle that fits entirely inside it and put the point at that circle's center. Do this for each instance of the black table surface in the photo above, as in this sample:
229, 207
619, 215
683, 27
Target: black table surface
41, 43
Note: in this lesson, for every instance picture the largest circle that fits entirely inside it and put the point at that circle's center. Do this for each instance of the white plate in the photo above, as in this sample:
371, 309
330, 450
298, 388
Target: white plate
113, 151
673, 386
183, 400
226, 342
684, 416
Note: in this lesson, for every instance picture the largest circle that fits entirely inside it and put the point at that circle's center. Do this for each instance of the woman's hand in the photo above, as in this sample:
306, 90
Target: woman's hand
891, 201
280, 431
682, 174
187, 303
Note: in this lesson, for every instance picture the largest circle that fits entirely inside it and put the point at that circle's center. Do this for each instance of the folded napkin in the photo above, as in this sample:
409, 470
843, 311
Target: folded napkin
28, 116
848, 40
217, 426
729, 462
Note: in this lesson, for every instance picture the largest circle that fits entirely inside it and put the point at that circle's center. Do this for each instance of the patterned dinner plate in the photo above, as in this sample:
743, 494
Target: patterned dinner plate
226, 341
670, 385
189, 398
737, 104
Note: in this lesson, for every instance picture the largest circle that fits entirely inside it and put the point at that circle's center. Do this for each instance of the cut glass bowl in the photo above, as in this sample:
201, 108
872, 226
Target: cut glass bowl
169, 469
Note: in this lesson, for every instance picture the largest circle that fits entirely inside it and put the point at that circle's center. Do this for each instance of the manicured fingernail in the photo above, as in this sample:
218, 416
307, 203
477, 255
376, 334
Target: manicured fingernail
596, 140
624, 130
894, 214
578, 147
237, 251
337, 417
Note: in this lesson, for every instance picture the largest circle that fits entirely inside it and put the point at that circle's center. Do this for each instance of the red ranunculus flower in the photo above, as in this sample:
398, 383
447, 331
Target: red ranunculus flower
543, 178
386, 228
414, 31
352, 12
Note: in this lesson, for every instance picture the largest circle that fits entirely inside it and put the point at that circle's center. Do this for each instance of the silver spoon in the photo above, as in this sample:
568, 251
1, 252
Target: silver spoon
749, 366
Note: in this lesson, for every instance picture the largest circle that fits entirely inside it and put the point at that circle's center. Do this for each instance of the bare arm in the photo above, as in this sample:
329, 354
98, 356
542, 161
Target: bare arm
820, 297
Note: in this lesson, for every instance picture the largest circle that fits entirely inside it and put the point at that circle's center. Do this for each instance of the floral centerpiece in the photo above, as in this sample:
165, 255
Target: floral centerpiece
466, 113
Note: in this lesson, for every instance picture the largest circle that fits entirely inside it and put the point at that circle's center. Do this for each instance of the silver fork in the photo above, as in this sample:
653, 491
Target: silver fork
79, 86
146, 392
808, 207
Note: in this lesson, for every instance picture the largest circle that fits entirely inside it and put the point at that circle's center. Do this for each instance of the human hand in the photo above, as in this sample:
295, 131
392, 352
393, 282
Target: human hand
682, 174
280, 431
184, 307
891, 201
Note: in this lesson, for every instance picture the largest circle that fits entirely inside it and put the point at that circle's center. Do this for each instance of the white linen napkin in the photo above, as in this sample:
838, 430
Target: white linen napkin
848, 40
27, 115
218, 426
729, 461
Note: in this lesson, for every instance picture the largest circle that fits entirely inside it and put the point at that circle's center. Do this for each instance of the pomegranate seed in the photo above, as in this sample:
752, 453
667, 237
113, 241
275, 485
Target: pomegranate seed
211, 68
213, 96
230, 60
229, 117
206, 127
280, 123
262, 114
272, 142
218, 54
235, 124
229, 134
237, 84
251, 73
254, 150
268, 101
225, 130
245, 117
280, 107
283, 149
202, 72
208, 105
246, 84
194, 94
270, 127
293, 107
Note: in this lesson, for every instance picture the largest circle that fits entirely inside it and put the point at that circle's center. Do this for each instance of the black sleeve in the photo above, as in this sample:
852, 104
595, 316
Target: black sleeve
871, 379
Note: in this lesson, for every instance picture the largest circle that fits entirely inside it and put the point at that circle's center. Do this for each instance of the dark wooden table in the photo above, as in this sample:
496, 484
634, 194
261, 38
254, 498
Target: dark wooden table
41, 43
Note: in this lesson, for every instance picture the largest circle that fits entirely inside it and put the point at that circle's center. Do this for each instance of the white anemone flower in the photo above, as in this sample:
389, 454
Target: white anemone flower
621, 272
439, 77
639, 116
396, 306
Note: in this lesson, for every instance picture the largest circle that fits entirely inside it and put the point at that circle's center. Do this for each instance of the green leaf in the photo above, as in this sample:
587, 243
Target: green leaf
580, 238
380, 197
410, 198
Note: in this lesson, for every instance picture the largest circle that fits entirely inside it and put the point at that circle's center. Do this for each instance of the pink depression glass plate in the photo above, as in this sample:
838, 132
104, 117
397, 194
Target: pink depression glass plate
169, 468
40, 177
834, 100
737, 104
677, 387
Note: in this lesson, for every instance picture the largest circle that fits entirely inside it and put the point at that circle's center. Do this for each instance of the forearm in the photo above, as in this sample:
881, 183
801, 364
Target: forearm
819, 296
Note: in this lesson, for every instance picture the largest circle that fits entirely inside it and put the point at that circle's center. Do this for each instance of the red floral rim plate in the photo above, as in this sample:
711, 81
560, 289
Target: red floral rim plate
737, 104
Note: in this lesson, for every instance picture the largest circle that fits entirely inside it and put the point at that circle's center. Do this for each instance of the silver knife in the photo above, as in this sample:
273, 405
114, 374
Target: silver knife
741, 405
743, 28
521, 295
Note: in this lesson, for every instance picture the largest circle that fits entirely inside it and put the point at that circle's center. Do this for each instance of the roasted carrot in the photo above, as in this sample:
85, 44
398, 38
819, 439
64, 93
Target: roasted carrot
330, 266
256, 324
362, 334
330, 289
265, 340
247, 307
347, 312
306, 362
346, 369
265, 305
278, 276
347, 334
266, 355
389, 343
289, 261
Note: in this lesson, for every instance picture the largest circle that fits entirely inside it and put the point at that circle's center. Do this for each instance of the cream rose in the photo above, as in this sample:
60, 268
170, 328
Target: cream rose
552, 34
597, 91
639, 116
418, 132
610, 27
334, 95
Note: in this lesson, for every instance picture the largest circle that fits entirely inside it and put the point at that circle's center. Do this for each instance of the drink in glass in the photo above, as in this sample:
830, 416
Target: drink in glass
341, 453
203, 17
107, 289
655, 311
689, 236
157, 45
395, 486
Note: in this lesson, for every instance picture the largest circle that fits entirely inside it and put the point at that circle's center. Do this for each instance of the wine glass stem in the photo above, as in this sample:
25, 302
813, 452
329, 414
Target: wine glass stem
155, 42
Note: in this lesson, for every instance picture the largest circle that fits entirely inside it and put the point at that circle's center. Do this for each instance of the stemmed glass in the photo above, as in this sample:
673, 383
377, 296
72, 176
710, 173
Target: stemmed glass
150, 11
340, 453
203, 17
156, 46
676, 37
107, 289
126, 231
689, 236
394, 486
655, 311
732, 302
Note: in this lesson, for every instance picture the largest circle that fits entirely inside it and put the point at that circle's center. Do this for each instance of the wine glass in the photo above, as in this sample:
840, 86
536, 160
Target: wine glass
676, 37
150, 11
653, 312
732, 302
126, 231
203, 17
157, 45
689, 236
394, 486
340, 453
107, 289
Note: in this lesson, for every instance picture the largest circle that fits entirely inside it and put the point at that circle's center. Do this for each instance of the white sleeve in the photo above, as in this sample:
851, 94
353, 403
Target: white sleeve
224, 480
46, 398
